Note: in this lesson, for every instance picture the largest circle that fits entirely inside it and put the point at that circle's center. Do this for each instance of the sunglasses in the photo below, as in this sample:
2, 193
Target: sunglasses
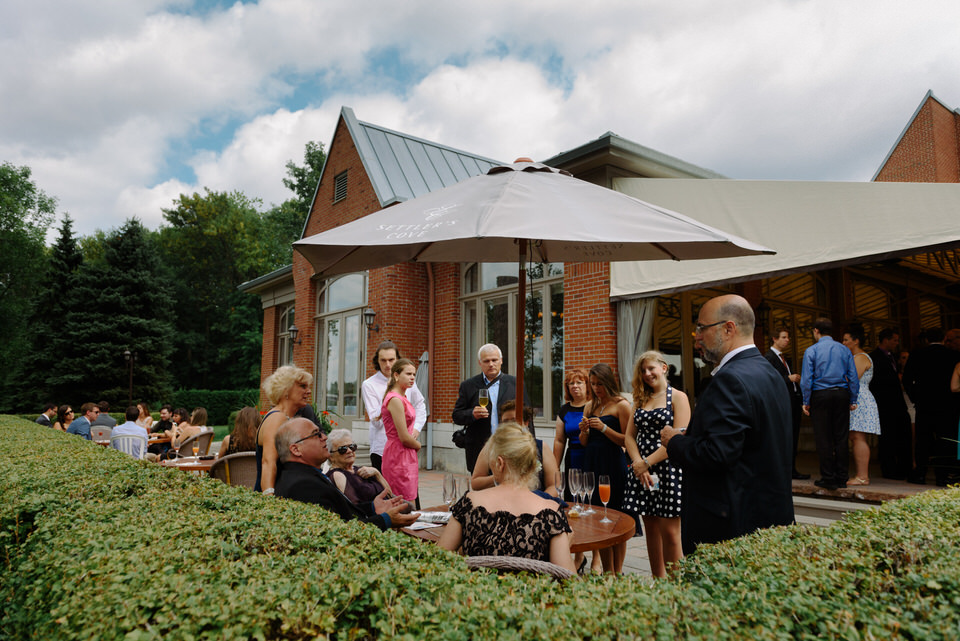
311, 435
343, 449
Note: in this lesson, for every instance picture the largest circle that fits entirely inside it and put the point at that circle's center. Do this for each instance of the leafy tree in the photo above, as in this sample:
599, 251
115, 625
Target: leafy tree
284, 222
303, 180
25, 215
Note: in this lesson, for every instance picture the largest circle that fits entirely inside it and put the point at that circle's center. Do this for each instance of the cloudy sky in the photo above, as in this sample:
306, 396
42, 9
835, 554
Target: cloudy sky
119, 106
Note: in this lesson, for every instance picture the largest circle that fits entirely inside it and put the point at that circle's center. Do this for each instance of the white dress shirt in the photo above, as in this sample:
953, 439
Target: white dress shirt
373, 390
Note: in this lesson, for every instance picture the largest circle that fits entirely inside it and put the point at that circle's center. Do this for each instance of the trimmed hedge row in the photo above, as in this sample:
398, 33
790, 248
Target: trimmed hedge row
96, 545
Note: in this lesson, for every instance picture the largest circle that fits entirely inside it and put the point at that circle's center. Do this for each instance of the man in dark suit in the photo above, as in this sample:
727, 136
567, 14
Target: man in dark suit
775, 355
480, 421
302, 449
926, 377
45, 418
736, 453
896, 460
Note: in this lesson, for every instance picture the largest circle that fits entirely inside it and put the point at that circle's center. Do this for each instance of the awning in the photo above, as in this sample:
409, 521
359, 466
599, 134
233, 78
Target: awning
811, 226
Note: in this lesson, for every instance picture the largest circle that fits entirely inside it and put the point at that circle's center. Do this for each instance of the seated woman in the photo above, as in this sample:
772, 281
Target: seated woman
243, 438
359, 484
144, 419
182, 428
546, 478
64, 418
508, 519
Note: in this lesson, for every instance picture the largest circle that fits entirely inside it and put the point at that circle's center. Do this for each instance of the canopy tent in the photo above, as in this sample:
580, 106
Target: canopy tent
810, 225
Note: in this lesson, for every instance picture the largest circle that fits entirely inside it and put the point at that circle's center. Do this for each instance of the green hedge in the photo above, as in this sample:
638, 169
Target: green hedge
218, 403
97, 545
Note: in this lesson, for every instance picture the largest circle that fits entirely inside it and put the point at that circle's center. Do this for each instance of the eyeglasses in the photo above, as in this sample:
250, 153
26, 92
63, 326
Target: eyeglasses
699, 328
343, 449
311, 435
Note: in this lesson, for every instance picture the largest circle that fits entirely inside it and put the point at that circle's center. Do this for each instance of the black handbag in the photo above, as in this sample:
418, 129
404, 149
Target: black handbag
460, 438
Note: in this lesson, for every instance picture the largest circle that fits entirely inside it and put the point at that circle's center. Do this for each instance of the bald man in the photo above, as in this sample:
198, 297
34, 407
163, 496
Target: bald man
736, 454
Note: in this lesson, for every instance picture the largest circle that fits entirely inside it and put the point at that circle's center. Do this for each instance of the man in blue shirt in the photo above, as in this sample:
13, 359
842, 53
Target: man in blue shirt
830, 387
81, 425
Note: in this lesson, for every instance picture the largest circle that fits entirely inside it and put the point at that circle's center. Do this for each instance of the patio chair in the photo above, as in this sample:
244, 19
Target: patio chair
519, 564
236, 469
132, 444
203, 440
100, 433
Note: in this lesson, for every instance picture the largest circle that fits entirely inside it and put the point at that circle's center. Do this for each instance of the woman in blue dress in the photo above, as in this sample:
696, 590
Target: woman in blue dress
567, 437
603, 433
866, 418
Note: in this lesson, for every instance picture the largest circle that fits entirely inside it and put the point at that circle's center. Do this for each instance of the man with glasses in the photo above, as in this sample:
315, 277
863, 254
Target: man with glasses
736, 453
302, 449
81, 424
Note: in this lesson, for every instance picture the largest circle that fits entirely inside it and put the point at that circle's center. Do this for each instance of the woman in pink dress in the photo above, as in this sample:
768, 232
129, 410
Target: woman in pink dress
400, 464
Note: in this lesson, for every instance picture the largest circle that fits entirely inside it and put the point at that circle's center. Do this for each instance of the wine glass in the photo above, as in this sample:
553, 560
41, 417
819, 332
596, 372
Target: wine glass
484, 398
558, 483
604, 491
449, 489
574, 478
196, 448
463, 485
588, 484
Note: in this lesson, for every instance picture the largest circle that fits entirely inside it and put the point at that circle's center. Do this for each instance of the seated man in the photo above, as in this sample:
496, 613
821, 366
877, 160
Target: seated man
131, 427
104, 419
302, 449
81, 424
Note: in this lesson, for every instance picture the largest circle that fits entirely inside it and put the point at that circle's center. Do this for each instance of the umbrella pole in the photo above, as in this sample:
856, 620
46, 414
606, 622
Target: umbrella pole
521, 327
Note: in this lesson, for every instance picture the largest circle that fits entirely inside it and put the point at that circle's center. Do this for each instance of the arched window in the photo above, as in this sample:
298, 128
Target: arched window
341, 344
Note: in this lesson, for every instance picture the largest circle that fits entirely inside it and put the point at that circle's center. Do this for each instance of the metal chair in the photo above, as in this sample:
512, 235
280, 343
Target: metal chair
132, 444
519, 564
100, 433
203, 440
236, 469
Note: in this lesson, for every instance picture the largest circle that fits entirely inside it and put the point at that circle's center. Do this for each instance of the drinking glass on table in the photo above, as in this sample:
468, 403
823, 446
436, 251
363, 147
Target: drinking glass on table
196, 448
449, 489
588, 484
558, 483
574, 478
604, 491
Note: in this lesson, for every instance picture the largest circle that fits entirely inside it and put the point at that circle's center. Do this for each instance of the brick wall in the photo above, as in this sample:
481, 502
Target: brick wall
929, 150
589, 318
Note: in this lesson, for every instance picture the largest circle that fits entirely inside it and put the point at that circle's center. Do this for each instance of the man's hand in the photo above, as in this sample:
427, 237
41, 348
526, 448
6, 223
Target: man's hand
480, 412
853, 406
794, 378
384, 502
806, 410
668, 433
399, 518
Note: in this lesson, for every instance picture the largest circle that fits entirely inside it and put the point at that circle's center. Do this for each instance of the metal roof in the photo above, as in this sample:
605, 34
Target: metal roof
402, 167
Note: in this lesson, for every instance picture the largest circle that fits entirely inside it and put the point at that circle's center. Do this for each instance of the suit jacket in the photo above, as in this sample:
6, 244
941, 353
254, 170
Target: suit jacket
792, 388
736, 454
307, 484
886, 389
478, 431
43, 419
926, 377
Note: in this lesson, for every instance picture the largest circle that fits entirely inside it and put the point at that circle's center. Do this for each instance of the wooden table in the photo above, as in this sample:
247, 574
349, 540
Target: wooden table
191, 464
588, 532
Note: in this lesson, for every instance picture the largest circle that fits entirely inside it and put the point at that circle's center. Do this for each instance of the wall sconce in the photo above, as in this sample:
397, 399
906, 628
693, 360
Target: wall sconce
369, 316
293, 331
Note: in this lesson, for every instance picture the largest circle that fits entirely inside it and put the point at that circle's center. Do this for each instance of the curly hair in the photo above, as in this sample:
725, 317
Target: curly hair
571, 376
282, 381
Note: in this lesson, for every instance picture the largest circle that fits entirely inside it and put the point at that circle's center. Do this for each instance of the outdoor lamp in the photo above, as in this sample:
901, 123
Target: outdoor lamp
369, 316
293, 331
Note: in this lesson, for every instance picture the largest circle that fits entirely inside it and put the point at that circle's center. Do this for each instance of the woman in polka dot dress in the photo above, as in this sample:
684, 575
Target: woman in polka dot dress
656, 405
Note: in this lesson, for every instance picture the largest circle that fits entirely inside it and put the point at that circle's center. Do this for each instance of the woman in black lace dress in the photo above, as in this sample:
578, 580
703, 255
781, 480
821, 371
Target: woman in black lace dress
509, 519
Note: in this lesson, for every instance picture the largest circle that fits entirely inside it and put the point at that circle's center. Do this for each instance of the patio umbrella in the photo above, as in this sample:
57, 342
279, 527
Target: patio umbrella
510, 212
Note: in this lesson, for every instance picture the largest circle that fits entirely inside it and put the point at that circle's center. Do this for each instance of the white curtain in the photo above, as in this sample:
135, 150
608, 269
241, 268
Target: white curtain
634, 335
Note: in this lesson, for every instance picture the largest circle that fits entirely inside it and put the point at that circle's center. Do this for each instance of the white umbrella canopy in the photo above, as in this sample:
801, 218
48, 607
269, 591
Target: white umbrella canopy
481, 218
495, 217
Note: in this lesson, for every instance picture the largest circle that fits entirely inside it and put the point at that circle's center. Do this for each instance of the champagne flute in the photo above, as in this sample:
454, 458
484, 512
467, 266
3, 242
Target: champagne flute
589, 482
604, 491
196, 448
449, 489
574, 478
558, 483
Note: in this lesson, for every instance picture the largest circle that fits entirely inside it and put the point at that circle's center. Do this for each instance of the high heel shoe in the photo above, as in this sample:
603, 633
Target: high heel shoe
859, 481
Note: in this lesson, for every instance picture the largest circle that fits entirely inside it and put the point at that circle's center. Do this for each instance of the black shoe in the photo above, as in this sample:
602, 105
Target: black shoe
842, 485
825, 485
800, 477
916, 480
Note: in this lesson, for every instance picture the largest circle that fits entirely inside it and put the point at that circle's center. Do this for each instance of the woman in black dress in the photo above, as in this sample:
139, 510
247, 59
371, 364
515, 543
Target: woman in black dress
603, 433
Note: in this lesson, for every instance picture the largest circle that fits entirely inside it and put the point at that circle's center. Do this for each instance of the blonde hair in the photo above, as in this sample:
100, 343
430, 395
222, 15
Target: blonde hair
642, 391
282, 381
515, 444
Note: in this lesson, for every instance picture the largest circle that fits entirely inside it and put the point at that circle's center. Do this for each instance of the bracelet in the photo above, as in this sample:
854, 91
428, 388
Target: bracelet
603, 431
646, 461
268, 491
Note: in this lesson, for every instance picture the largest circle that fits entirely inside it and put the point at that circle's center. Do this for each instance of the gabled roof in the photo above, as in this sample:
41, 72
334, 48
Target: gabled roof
928, 96
402, 167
